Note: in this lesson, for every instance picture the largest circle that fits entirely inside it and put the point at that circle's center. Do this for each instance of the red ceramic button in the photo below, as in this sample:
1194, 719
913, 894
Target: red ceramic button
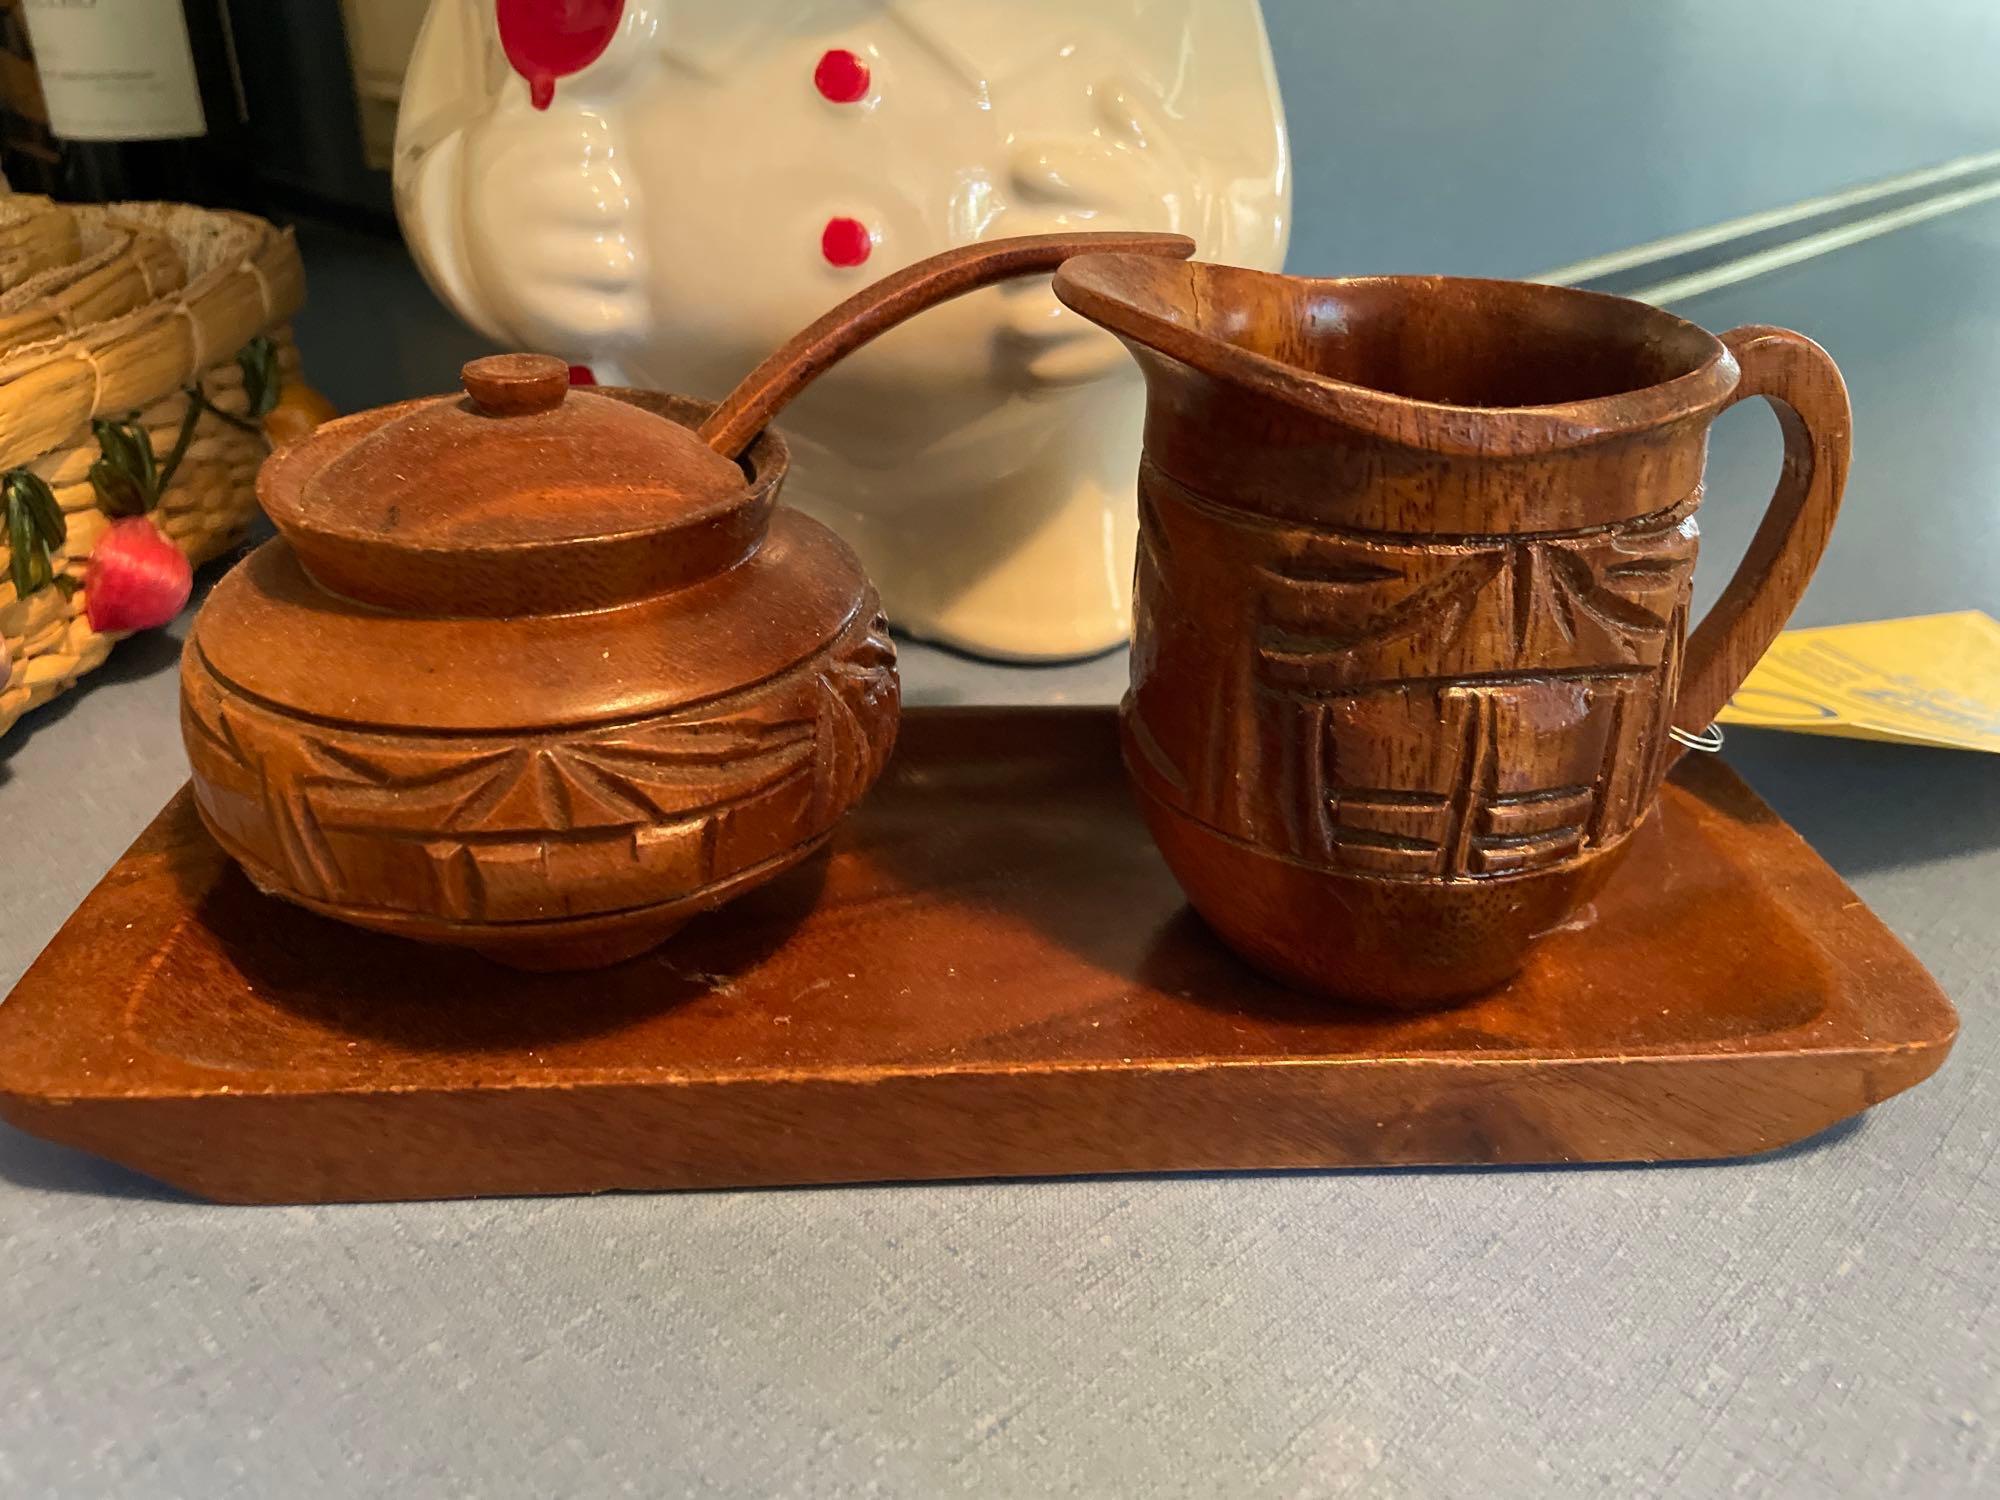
841, 76
845, 242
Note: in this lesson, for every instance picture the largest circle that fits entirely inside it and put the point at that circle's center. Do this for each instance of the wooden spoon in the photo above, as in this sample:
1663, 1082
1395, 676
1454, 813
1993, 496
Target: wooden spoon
876, 309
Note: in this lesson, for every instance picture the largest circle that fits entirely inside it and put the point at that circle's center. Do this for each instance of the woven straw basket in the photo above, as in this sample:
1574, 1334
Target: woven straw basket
35, 235
114, 312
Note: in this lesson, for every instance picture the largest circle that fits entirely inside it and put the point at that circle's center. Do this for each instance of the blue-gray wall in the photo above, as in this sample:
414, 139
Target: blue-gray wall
1502, 137
1505, 137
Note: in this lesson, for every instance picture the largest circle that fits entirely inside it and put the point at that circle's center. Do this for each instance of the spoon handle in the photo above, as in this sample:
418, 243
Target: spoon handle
876, 309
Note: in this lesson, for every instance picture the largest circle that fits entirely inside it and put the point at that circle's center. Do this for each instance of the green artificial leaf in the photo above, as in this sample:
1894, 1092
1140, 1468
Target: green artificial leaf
29, 565
139, 448
258, 360
20, 552
126, 477
41, 505
118, 493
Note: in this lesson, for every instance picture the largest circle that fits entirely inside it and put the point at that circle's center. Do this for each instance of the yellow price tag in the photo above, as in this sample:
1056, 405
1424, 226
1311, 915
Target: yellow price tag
1928, 680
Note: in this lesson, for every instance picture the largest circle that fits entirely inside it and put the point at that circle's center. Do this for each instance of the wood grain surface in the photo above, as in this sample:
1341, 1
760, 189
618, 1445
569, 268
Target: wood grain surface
1410, 627
532, 671
897, 297
993, 974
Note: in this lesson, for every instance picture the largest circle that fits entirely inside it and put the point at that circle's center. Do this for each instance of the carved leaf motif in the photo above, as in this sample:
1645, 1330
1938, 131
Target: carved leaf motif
1628, 584
852, 734
676, 770
206, 712
1600, 598
1572, 578
303, 842
1340, 571
1439, 609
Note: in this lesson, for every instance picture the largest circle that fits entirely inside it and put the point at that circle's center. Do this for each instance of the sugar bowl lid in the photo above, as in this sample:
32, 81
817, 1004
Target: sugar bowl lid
520, 497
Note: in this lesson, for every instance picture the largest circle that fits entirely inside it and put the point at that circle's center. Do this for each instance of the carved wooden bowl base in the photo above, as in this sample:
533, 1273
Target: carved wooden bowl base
559, 848
586, 942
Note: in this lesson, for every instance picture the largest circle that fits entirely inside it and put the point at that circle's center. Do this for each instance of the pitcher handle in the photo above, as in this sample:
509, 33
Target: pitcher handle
874, 310
1804, 388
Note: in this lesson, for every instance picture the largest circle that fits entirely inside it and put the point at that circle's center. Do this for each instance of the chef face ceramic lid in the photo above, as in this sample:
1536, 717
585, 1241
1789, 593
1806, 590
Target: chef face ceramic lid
520, 497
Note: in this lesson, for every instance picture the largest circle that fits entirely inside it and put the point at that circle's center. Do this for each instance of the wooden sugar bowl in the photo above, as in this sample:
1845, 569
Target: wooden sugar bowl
545, 672
532, 672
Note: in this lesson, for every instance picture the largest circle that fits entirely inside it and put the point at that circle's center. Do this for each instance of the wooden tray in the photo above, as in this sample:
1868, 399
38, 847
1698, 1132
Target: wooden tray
992, 975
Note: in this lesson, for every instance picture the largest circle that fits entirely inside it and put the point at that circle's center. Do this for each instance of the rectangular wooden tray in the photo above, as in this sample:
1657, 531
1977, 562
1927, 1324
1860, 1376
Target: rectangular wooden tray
992, 975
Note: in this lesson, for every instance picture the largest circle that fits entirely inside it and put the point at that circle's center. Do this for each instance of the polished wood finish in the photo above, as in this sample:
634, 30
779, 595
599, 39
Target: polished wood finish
874, 310
533, 672
1411, 617
546, 501
992, 975
1805, 390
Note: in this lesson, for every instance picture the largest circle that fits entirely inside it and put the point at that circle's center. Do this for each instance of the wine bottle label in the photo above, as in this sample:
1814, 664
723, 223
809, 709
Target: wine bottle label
116, 70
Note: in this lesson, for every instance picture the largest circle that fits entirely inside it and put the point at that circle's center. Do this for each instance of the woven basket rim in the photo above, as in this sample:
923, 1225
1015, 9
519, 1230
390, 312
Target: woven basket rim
244, 278
260, 241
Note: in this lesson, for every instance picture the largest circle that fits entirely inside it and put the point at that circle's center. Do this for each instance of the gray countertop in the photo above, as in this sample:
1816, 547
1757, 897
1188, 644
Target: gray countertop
1818, 1322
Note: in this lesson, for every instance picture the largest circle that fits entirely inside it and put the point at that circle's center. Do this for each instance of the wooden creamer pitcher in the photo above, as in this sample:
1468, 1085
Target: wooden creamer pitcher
1415, 557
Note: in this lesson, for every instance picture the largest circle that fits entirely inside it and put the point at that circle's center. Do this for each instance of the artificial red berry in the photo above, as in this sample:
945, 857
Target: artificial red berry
135, 578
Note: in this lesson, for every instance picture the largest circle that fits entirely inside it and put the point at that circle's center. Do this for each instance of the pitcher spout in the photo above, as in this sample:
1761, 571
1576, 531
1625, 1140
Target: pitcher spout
1398, 403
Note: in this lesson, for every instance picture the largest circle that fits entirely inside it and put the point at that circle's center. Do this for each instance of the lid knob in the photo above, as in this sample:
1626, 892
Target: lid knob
515, 385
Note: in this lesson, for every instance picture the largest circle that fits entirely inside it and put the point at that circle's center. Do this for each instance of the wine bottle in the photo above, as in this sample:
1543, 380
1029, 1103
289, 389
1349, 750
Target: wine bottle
143, 100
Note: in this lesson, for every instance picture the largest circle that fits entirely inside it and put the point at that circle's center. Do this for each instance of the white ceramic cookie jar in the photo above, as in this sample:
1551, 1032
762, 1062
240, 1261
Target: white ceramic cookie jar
663, 189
